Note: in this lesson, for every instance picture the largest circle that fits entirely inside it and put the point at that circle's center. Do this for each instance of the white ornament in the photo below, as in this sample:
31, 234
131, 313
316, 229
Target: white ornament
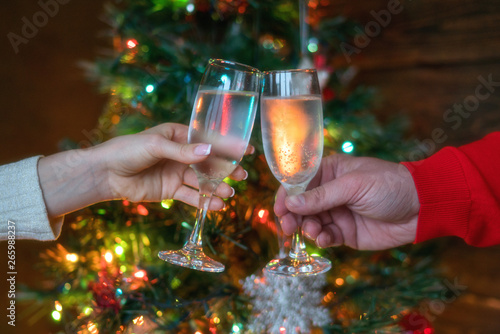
285, 304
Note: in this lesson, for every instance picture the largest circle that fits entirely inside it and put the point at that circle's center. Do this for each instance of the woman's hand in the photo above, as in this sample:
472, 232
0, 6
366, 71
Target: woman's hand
152, 165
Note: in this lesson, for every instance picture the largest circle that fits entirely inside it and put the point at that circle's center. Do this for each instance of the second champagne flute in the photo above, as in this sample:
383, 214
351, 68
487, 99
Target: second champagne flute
223, 115
292, 135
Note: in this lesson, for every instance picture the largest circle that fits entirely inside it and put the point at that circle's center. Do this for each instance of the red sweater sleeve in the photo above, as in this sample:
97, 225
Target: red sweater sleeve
459, 192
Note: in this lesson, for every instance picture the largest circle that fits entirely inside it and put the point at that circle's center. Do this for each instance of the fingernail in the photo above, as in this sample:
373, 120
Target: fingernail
246, 175
297, 200
326, 241
308, 235
252, 150
234, 192
203, 149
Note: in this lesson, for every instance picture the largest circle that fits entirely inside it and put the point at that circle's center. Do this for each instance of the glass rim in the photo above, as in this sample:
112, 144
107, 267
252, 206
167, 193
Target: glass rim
295, 70
235, 65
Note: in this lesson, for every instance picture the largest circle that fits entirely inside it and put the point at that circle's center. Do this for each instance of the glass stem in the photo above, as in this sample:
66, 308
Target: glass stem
195, 239
298, 249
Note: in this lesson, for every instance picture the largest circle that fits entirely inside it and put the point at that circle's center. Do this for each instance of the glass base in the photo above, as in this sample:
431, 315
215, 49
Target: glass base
192, 258
306, 266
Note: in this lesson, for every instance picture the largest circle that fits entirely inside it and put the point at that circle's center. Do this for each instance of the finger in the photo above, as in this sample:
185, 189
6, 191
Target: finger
190, 178
324, 197
330, 236
162, 148
280, 208
288, 223
191, 196
224, 190
171, 131
250, 150
239, 174
311, 227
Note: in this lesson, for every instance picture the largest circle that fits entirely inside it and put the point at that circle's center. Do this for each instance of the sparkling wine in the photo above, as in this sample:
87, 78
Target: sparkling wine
292, 134
225, 120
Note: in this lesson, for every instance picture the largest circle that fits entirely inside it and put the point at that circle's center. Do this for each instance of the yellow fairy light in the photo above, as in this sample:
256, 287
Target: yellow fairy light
159, 313
167, 203
119, 250
139, 321
87, 311
339, 281
56, 315
71, 257
108, 257
92, 328
58, 306
216, 320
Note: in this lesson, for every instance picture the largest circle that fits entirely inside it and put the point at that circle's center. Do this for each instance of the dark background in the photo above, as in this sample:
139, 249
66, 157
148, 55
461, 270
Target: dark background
428, 58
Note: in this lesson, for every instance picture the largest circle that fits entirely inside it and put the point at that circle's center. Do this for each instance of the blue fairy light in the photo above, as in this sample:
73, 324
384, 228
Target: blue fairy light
347, 147
150, 88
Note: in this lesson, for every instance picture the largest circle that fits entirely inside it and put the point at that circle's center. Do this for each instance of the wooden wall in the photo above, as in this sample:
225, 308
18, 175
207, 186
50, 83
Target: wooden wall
427, 59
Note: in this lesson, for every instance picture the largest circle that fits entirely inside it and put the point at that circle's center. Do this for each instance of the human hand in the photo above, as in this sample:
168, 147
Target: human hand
364, 203
152, 165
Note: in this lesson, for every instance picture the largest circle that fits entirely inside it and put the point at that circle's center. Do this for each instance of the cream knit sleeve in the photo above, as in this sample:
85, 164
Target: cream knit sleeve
21, 202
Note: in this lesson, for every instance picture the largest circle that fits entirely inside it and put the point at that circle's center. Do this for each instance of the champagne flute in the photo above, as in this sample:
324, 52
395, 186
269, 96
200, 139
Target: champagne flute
292, 135
223, 115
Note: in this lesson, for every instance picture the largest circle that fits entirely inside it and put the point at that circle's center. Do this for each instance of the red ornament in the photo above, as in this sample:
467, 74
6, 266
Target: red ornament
416, 323
104, 292
328, 94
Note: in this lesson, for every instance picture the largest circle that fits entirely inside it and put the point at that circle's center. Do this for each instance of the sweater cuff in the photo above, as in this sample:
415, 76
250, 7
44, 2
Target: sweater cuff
444, 196
23, 203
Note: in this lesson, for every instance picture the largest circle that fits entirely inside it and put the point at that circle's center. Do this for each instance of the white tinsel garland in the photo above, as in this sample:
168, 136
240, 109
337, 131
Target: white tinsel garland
285, 304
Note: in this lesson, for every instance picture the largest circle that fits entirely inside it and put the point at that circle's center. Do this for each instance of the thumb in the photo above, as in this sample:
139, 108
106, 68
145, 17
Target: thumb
322, 198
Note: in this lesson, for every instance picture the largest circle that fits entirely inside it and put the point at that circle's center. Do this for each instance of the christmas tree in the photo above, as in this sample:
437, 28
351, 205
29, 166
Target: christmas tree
108, 278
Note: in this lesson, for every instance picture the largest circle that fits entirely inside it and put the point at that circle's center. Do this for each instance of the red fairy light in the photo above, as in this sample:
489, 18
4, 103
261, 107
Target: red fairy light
141, 209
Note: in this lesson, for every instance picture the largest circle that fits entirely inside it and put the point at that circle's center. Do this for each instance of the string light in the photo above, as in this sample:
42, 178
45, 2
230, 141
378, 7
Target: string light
150, 88
313, 45
347, 147
108, 257
139, 321
58, 306
141, 274
92, 328
131, 43
167, 203
141, 209
72, 257
56, 315
119, 250
190, 8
